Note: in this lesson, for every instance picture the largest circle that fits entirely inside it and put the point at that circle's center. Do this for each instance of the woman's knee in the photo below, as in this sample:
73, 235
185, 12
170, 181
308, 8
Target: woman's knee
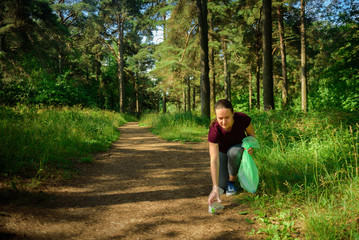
235, 152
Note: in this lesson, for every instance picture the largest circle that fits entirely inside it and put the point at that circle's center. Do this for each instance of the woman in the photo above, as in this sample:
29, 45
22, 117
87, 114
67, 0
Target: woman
225, 137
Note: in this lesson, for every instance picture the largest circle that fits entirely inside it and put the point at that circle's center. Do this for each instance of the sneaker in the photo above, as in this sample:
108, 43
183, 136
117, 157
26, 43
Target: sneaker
231, 189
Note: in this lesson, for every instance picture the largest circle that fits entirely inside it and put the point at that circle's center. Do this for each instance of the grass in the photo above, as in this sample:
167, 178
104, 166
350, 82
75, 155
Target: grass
184, 127
308, 165
34, 140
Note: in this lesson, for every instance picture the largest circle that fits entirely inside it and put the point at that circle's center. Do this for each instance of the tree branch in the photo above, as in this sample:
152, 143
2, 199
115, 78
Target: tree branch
184, 51
70, 15
110, 47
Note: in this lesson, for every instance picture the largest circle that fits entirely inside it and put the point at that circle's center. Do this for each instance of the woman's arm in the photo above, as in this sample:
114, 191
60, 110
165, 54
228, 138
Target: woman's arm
250, 132
214, 156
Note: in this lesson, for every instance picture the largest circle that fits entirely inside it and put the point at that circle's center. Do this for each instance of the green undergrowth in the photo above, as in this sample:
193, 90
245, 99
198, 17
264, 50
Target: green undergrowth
184, 127
37, 140
325, 213
308, 166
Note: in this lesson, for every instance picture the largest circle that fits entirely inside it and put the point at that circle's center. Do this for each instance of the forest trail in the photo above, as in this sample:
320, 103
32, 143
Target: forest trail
142, 188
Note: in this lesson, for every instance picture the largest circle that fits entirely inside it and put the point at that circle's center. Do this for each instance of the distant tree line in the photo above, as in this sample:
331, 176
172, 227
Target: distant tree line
285, 54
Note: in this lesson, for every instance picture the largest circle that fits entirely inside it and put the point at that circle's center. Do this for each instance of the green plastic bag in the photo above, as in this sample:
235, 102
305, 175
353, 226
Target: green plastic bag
248, 172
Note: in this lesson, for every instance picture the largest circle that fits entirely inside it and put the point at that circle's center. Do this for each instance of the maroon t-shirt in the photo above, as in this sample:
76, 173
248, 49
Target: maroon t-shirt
226, 139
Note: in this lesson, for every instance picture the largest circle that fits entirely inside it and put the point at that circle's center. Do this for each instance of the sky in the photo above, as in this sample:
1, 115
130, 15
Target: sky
158, 35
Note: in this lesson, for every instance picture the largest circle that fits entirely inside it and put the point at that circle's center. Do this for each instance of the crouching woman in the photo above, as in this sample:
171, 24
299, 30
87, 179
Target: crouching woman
225, 137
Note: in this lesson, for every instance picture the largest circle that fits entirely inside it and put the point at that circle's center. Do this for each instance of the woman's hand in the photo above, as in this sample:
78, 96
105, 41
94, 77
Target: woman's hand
214, 196
250, 151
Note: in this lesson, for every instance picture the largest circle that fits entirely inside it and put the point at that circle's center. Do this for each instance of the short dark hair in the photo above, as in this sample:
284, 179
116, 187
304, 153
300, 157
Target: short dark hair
223, 103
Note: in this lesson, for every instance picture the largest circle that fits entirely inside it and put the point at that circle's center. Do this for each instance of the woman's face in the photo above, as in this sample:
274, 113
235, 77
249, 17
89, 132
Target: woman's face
225, 118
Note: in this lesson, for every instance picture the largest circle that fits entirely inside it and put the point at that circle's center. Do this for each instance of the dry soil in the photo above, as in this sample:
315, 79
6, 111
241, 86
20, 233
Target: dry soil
144, 187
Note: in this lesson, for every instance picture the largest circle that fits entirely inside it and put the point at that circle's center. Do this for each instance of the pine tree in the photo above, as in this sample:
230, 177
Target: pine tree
115, 18
268, 100
203, 33
283, 57
303, 71
27, 30
177, 55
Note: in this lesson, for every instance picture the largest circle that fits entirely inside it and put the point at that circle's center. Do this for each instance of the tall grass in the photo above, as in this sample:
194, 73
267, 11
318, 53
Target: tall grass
177, 126
34, 139
304, 149
310, 160
308, 164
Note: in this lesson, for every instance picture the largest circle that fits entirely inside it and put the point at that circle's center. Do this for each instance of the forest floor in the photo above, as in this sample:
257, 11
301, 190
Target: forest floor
144, 187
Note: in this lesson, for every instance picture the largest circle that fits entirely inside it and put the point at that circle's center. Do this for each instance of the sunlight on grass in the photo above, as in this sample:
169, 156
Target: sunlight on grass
308, 166
185, 127
335, 213
308, 161
34, 139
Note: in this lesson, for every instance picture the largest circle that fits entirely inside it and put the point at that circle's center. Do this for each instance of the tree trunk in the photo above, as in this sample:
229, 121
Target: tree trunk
184, 95
268, 100
258, 63
212, 69
158, 104
102, 92
226, 71
203, 35
229, 85
214, 85
194, 98
258, 81
283, 57
164, 102
303, 78
120, 63
188, 94
60, 61
250, 88
164, 99
135, 86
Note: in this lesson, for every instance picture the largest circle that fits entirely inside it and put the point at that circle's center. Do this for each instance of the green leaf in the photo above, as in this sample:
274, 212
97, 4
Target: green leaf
249, 221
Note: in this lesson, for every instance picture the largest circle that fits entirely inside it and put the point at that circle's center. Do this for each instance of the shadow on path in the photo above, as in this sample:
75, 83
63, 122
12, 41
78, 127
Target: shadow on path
142, 188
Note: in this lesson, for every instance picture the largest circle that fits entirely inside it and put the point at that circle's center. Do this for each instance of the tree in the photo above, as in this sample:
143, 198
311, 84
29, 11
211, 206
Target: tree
226, 71
26, 34
335, 75
283, 57
268, 100
70, 14
177, 55
258, 62
159, 10
164, 98
203, 35
212, 57
303, 73
115, 19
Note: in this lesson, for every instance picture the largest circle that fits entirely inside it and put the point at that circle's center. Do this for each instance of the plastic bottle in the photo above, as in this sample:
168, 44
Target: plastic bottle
216, 206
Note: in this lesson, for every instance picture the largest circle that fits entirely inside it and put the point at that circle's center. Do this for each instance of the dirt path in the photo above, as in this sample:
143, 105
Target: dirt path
143, 188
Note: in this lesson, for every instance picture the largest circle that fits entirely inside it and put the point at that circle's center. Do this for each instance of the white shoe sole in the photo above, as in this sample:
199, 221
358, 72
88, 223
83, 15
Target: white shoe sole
231, 194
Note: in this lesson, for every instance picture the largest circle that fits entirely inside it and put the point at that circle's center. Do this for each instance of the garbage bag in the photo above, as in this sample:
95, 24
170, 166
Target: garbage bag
248, 172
